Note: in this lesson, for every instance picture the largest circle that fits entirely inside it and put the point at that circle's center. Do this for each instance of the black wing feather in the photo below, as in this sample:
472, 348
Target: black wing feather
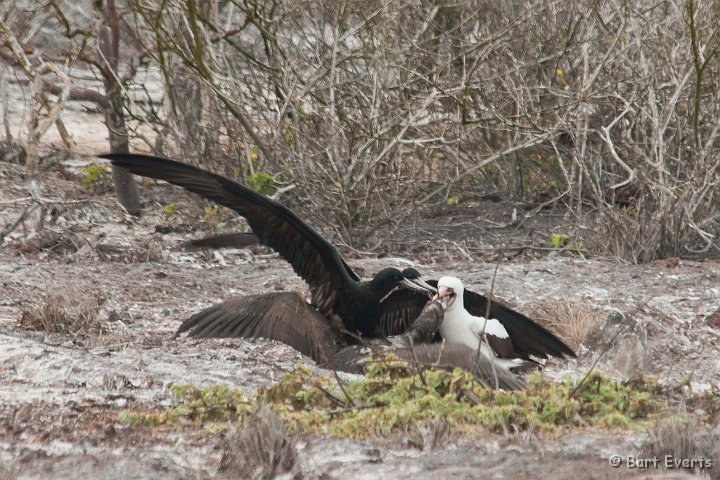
284, 317
528, 337
312, 257
400, 311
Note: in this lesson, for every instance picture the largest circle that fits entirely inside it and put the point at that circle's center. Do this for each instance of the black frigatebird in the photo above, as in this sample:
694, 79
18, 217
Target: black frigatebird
510, 333
337, 291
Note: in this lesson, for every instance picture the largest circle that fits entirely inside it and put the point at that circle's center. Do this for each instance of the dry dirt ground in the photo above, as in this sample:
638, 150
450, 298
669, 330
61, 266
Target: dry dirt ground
61, 393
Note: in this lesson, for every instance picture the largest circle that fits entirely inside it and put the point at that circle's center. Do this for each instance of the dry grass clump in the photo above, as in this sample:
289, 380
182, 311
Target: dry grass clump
682, 436
261, 450
571, 320
65, 314
434, 434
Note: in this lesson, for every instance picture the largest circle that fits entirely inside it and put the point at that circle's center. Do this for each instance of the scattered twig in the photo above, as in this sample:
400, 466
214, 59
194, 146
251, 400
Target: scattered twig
23, 216
416, 363
482, 339
355, 408
335, 399
342, 388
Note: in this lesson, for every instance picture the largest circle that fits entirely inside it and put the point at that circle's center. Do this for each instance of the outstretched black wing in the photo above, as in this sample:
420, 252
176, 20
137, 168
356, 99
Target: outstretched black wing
284, 317
314, 259
528, 337
225, 240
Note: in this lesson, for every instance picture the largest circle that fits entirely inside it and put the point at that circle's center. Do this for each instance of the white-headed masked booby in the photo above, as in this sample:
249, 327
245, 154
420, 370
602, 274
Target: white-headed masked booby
476, 331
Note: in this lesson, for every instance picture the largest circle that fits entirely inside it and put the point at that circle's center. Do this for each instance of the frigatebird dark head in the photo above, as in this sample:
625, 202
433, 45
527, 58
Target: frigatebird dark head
390, 280
414, 276
387, 277
410, 273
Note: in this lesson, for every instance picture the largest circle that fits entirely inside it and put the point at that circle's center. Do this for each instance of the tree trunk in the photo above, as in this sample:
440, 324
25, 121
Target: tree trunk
124, 182
109, 41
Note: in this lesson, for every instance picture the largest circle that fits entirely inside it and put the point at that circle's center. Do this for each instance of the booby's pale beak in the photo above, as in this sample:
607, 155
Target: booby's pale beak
446, 296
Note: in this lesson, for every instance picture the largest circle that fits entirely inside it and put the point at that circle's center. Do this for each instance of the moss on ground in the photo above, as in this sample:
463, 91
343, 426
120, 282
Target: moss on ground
94, 174
391, 399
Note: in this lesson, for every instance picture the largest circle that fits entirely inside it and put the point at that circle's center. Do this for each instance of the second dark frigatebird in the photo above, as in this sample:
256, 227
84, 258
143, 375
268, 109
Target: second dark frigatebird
336, 290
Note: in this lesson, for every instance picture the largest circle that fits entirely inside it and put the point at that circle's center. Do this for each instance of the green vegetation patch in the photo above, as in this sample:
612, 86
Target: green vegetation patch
261, 182
560, 240
391, 399
207, 406
169, 208
93, 174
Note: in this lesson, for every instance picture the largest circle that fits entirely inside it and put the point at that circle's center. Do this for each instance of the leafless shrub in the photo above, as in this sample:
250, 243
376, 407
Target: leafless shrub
571, 320
261, 450
575, 100
374, 108
49, 43
66, 314
683, 437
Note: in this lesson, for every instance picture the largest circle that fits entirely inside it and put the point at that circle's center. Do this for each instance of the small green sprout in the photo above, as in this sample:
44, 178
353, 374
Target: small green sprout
93, 174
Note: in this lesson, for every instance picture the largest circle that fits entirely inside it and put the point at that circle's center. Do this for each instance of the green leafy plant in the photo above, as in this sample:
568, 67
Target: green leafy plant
210, 213
93, 174
261, 182
558, 240
394, 398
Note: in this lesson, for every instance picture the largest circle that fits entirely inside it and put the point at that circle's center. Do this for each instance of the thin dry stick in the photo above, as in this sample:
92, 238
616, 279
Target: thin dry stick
23, 216
603, 352
335, 399
416, 364
342, 388
487, 317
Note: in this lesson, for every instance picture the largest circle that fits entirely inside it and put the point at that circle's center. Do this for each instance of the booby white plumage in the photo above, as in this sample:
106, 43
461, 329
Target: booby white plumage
459, 326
